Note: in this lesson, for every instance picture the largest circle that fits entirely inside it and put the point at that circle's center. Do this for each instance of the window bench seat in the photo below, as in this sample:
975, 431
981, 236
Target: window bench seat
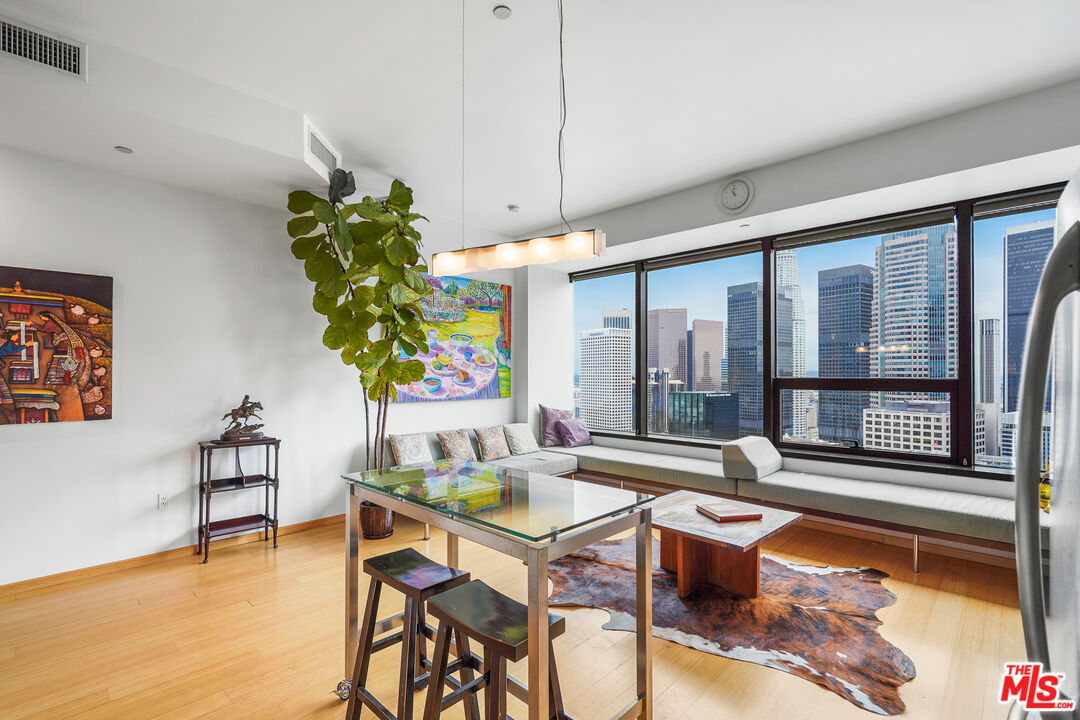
946, 514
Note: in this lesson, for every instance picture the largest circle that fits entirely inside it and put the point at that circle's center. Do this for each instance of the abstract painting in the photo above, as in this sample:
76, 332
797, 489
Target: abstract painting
56, 348
468, 330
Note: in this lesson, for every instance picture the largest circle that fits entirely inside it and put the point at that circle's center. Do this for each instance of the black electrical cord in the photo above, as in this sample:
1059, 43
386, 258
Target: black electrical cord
562, 118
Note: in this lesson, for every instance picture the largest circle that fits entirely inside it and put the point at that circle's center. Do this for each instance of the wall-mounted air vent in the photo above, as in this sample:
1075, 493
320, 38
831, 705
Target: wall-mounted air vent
42, 48
319, 154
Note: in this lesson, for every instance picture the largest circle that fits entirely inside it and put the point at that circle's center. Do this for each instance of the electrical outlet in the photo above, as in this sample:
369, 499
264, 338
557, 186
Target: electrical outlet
162, 501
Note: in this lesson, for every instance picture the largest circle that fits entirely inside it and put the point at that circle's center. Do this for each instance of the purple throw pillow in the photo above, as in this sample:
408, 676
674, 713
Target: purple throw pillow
573, 432
548, 418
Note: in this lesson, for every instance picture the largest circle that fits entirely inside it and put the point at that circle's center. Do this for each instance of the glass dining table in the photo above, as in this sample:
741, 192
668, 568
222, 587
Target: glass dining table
526, 515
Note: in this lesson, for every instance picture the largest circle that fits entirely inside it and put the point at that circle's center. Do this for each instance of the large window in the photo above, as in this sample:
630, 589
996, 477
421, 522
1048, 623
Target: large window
898, 337
1010, 250
604, 352
703, 337
882, 303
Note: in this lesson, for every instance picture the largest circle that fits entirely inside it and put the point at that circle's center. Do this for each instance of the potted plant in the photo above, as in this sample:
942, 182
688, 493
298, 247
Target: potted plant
364, 259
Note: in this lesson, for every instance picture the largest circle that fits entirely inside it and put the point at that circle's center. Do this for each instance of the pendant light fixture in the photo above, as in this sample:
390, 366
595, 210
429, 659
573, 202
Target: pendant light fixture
571, 245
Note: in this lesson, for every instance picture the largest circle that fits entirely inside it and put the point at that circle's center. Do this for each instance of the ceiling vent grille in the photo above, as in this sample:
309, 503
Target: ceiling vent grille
42, 48
319, 154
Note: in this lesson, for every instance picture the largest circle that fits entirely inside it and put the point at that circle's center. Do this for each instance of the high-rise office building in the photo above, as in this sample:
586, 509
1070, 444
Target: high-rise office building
619, 319
787, 283
707, 354
1008, 437
1026, 250
744, 343
914, 330
713, 415
986, 363
921, 426
605, 390
845, 299
667, 341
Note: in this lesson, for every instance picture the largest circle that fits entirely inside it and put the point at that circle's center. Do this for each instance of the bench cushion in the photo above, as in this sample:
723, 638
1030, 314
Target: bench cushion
979, 516
750, 458
655, 467
542, 461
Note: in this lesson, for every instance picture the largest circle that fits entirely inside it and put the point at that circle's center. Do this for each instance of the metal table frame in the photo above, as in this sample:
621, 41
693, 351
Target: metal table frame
537, 556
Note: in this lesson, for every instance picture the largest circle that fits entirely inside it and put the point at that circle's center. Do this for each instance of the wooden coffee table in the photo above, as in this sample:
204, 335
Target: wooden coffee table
700, 550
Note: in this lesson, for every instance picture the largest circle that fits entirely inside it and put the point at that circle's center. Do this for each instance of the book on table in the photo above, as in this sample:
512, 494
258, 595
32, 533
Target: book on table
727, 512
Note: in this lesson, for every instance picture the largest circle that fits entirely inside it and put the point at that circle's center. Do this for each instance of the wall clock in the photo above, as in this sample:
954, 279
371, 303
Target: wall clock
736, 195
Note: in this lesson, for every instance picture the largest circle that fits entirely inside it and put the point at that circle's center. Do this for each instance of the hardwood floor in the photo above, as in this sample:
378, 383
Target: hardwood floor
258, 633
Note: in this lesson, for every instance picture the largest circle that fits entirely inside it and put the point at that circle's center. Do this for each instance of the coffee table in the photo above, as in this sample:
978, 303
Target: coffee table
700, 550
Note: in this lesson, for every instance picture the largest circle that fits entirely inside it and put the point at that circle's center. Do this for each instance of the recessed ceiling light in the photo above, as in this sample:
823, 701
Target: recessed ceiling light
123, 149
501, 11
513, 208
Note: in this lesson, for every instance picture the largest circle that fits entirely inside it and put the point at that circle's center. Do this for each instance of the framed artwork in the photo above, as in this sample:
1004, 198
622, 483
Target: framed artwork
468, 330
56, 348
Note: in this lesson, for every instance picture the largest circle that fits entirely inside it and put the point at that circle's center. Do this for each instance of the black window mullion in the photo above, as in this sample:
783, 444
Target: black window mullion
963, 406
641, 350
770, 408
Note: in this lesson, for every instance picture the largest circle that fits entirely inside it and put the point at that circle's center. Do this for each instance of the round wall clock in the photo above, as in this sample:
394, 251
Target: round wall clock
736, 194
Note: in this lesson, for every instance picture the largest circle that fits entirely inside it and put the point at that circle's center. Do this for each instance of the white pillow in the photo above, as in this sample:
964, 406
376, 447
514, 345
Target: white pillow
520, 439
750, 458
411, 449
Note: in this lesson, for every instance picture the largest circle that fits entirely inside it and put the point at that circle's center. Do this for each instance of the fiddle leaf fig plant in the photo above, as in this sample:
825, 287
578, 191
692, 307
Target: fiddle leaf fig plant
364, 259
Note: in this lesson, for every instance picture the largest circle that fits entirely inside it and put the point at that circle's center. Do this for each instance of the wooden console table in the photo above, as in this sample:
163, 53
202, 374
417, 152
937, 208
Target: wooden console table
209, 486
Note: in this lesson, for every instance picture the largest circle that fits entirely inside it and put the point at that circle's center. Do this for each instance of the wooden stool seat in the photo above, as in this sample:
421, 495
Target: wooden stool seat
490, 618
414, 575
474, 611
418, 578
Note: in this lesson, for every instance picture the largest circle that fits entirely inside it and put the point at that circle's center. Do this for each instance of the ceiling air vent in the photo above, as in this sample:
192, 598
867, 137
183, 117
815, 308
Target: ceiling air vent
42, 48
319, 154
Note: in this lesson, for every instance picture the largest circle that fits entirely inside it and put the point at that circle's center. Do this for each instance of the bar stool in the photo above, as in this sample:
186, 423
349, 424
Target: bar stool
500, 624
418, 579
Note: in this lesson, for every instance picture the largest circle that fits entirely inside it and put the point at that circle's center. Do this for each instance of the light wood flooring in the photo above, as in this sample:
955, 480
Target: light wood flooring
258, 633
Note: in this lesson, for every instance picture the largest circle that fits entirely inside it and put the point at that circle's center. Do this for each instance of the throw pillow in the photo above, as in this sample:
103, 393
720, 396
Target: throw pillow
750, 458
573, 433
412, 449
520, 439
456, 446
548, 418
492, 443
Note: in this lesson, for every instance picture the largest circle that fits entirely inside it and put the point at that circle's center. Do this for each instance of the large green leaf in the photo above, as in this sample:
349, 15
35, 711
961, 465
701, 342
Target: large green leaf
324, 212
391, 273
301, 226
334, 337
401, 197
365, 320
410, 371
301, 201
341, 315
368, 231
397, 250
335, 286
342, 235
361, 297
416, 281
323, 304
366, 361
321, 267
348, 355
305, 247
381, 348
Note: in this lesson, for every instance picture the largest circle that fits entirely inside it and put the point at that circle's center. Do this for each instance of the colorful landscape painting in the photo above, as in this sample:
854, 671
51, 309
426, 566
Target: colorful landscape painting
468, 327
56, 349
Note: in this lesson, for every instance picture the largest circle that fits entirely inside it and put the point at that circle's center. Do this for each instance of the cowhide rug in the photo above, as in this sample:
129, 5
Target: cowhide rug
818, 623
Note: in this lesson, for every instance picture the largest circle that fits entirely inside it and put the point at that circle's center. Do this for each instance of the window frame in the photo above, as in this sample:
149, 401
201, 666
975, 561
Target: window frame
960, 389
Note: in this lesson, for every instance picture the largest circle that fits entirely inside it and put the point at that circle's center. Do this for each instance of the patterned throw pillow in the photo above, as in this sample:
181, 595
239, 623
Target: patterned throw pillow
492, 443
520, 439
411, 449
548, 418
573, 433
456, 445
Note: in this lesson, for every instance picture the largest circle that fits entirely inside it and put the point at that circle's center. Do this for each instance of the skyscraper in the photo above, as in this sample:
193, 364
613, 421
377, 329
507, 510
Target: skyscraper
986, 365
667, 341
787, 283
605, 399
713, 415
845, 299
914, 331
744, 342
617, 319
708, 352
1026, 250
744, 353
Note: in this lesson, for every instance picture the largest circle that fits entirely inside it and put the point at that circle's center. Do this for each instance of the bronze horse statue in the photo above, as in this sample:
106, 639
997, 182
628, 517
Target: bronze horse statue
239, 416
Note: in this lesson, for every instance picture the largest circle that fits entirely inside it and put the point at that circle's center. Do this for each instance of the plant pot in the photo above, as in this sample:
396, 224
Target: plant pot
376, 522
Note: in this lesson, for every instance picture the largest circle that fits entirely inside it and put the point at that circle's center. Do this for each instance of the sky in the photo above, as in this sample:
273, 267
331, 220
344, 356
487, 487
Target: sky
702, 288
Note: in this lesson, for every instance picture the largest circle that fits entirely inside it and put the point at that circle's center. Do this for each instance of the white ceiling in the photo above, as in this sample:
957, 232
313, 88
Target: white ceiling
661, 96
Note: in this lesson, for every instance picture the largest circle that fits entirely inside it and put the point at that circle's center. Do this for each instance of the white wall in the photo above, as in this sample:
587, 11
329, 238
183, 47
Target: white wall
209, 305
545, 327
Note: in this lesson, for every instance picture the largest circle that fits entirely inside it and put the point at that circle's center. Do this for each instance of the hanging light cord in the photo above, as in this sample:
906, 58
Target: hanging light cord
562, 118
462, 124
